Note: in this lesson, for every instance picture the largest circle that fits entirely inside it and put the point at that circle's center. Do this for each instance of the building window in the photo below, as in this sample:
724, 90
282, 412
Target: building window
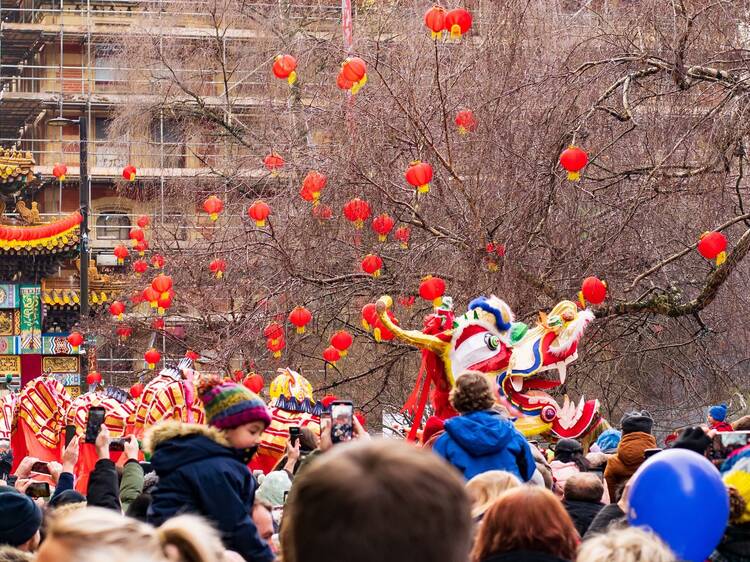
112, 225
169, 138
104, 66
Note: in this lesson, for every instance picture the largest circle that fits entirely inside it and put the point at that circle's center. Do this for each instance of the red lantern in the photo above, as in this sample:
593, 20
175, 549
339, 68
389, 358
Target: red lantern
140, 266
369, 316
343, 83
312, 185
259, 212
465, 121
573, 159
342, 341
419, 174
434, 19
382, 224
284, 66
141, 247
402, 234
380, 332
713, 245
218, 267
124, 332
129, 172
254, 383
276, 346
273, 163
157, 323
143, 221
116, 309
162, 283
60, 171
94, 377
121, 252
432, 289
192, 355
458, 22
593, 290
354, 70
157, 260
274, 332
75, 339
300, 317
357, 211
136, 235
331, 354
372, 264
164, 302
322, 212
151, 295
213, 206
152, 357
136, 390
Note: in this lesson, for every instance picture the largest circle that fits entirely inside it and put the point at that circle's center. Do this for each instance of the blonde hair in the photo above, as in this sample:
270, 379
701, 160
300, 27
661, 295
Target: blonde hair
485, 488
95, 534
625, 545
12, 554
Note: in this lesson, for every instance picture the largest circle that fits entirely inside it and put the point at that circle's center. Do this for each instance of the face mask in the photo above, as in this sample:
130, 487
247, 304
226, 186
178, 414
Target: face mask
246, 455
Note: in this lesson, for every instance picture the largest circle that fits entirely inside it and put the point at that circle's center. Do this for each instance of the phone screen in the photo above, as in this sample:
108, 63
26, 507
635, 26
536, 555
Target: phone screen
94, 423
70, 432
342, 421
293, 435
117, 444
38, 490
40, 467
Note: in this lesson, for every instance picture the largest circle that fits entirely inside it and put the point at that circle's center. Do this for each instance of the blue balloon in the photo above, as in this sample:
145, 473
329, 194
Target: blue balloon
680, 496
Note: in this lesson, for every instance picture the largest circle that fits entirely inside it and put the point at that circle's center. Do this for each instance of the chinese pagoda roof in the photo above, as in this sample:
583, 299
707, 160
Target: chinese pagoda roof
15, 170
57, 237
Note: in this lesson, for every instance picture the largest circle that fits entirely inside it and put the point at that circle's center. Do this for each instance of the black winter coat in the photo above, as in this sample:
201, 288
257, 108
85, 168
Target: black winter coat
104, 486
582, 513
610, 516
199, 472
735, 546
523, 556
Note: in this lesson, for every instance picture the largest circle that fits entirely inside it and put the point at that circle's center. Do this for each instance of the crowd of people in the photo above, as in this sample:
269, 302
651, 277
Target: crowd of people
472, 490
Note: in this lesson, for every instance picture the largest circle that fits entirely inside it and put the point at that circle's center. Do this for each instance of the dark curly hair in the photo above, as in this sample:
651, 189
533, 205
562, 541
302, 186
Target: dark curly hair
472, 393
737, 505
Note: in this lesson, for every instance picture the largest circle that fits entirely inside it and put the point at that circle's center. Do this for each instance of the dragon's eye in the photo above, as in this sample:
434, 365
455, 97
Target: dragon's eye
493, 342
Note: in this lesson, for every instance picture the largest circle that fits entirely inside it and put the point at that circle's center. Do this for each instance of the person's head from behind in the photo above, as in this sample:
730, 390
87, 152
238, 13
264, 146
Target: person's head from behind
11, 554
742, 424
485, 488
308, 439
263, 519
239, 413
570, 450
20, 521
472, 393
95, 534
636, 421
584, 487
526, 518
371, 501
625, 545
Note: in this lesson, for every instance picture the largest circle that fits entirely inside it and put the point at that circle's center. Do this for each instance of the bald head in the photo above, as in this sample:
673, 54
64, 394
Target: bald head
584, 487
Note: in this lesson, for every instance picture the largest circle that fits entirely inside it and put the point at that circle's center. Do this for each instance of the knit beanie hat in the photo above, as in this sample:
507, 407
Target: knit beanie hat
637, 421
718, 412
65, 498
20, 518
609, 440
273, 486
229, 405
432, 426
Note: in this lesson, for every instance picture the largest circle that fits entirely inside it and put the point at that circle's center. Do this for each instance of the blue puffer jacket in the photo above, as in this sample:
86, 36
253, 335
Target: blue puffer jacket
200, 473
480, 441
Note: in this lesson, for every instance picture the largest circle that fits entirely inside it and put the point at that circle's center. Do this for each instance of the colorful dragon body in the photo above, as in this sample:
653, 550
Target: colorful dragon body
522, 362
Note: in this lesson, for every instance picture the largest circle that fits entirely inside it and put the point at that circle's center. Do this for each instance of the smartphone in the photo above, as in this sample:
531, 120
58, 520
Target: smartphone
726, 442
38, 490
117, 444
94, 423
293, 435
342, 421
70, 432
40, 467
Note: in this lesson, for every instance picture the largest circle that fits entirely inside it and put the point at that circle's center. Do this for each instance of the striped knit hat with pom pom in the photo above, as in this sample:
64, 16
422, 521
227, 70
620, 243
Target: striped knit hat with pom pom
229, 405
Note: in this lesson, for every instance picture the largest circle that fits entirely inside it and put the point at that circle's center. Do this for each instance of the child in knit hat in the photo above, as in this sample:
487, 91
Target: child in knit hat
716, 418
203, 469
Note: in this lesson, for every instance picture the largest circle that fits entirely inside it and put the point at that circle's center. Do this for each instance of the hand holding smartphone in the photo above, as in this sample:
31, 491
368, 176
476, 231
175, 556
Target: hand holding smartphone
38, 490
342, 421
94, 423
294, 433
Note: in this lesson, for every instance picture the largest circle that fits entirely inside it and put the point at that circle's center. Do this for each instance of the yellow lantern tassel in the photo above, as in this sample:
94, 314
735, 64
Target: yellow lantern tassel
151, 365
343, 353
437, 302
214, 216
436, 35
292, 78
277, 354
153, 304
132, 176
161, 310
492, 266
581, 299
404, 246
260, 224
462, 130
366, 325
424, 188
119, 316
219, 274
721, 258
120, 261
574, 176
300, 329
142, 253
274, 173
455, 32
382, 237
376, 335
377, 273
62, 177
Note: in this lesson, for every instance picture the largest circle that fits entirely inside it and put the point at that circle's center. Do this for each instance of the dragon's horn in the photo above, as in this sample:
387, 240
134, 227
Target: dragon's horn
412, 337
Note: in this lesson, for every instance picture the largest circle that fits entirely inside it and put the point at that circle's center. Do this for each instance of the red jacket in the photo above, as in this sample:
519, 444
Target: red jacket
722, 426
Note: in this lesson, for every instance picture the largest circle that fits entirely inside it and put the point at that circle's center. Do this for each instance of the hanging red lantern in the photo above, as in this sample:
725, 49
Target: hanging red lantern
331, 354
259, 212
140, 266
284, 67
136, 235
254, 383
129, 172
312, 185
465, 121
143, 221
141, 247
402, 234
218, 267
164, 302
457, 22
322, 212
136, 390
343, 83
273, 163
162, 283
151, 295
354, 70
300, 317
342, 341
157, 260
157, 324
432, 289
116, 309
573, 160
369, 316
407, 301
94, 377
357, 211
380, 332
713, 246
382, 225
213, 206
276, 347
124, 332
593, 290
121, 252
372, 264
75, 339
60, 171
152, 357
274, 332
434, 19
192, 355
419, 175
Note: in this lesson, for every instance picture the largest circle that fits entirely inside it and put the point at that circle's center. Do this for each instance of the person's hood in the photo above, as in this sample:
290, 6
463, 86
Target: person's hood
582, 507
631, 449
174, 444
480, 433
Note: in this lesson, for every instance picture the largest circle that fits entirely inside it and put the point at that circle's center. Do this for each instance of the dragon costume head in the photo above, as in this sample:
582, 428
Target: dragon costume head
522, 362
